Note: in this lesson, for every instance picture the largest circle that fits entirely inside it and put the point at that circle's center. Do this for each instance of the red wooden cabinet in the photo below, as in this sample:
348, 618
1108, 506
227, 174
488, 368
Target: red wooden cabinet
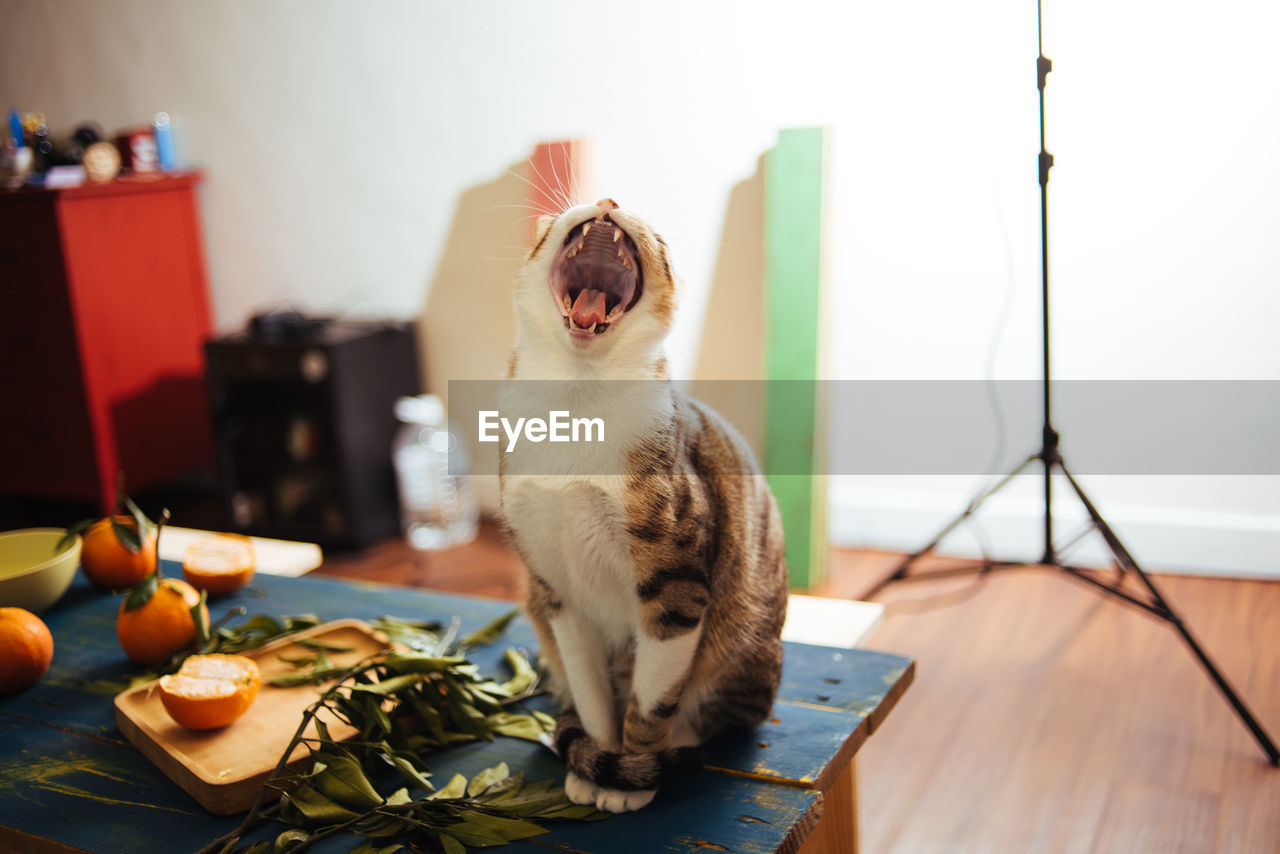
103, 314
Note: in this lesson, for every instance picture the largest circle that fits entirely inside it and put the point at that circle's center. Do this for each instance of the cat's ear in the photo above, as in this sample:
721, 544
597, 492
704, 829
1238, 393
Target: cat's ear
544, 225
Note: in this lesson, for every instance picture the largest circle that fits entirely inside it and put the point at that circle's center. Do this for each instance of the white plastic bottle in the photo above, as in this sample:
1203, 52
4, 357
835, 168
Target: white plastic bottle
437, 506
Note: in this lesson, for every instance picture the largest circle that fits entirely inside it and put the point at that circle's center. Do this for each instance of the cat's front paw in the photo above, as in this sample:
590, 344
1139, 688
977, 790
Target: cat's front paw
617, 800
583, 792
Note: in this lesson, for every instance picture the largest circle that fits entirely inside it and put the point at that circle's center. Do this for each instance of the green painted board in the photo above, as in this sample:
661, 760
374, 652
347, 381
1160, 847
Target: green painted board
794, 424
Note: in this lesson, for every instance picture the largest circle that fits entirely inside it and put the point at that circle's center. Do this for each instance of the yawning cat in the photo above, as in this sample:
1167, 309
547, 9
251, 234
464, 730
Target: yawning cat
657, 583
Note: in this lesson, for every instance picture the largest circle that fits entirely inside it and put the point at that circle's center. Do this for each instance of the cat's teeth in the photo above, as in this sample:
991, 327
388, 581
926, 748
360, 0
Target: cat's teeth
568, 306
586, 229
593, 328
617, 235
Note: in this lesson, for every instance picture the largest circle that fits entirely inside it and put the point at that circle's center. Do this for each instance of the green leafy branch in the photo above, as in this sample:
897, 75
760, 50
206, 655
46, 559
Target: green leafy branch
401, 704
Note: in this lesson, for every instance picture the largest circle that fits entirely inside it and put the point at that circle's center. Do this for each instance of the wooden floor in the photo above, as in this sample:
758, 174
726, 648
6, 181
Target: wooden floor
1042, 717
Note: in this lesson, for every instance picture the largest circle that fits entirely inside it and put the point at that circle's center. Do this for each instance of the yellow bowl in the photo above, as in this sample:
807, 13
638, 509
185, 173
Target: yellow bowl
33, 573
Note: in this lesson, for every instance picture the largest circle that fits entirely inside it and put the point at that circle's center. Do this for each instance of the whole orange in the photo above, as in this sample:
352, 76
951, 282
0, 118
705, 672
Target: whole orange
219, 563
151, 633
210, 691
26, 649
108, 564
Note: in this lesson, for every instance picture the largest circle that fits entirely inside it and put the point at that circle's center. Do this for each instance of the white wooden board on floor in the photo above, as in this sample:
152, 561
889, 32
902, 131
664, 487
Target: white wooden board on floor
830, 622
272, 557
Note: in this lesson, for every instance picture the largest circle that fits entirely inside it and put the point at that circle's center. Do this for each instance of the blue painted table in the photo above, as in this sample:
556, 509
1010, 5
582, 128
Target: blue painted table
70, 781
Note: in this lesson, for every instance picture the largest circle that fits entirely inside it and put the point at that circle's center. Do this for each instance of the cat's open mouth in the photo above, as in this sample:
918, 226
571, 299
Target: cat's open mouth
595, 277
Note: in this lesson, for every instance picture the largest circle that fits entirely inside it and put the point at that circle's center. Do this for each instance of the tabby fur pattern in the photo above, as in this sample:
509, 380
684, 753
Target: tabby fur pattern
656, 578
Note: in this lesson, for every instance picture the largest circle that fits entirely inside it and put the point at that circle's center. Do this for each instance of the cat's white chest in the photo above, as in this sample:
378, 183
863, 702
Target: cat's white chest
574, 531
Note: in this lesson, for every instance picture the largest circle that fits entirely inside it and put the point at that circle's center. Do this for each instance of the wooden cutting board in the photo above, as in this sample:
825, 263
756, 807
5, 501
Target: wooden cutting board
224, 769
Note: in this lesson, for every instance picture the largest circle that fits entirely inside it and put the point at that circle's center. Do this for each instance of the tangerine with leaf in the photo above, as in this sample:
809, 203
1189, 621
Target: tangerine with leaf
119, 549
158, 618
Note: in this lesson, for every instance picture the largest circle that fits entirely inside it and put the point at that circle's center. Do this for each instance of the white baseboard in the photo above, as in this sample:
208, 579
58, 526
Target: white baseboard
1173, 541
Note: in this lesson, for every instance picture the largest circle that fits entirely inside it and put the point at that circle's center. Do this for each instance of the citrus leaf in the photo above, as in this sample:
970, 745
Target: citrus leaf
510, 829
343, 780
380, 826
144, 524
321, 646
409, 770
416, 662
390, 686
370, 848
291, 838
323, 661
451, 845
72, 530
294, 622
312, 677
517, 726
141, 593
464, 713
126, 536
576, 812
524, 676
315, 807
414, 634
490, 633
487, 778
262, 623
200, 616
513, 790
456, 788
429, 715
471, 833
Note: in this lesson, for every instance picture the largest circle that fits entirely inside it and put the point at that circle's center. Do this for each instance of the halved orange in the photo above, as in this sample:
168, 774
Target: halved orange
219, 563
210, 691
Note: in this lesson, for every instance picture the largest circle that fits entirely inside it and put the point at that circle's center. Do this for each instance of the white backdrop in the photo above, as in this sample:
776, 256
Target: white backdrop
339, 138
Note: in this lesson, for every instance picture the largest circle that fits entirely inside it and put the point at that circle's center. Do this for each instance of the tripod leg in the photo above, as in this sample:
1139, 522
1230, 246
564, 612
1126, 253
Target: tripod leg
900, 571
1171, 616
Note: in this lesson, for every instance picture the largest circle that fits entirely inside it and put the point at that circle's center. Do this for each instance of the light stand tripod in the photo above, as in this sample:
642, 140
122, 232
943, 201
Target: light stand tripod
1050, 458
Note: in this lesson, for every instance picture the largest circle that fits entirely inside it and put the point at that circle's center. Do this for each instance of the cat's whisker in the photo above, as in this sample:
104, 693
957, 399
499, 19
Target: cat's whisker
559, 185
548, 189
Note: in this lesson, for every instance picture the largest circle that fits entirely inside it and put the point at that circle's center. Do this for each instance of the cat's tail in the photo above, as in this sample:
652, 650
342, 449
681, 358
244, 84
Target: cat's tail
613, 770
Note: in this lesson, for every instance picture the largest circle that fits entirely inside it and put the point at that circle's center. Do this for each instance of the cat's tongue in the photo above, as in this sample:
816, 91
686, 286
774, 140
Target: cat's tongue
588, 308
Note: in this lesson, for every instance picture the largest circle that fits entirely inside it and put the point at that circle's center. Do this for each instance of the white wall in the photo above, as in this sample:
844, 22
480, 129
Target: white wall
339, 139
